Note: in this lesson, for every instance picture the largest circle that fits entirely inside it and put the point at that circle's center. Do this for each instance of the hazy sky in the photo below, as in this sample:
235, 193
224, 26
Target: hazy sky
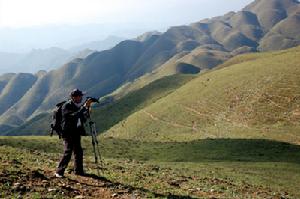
28, 24
22, 13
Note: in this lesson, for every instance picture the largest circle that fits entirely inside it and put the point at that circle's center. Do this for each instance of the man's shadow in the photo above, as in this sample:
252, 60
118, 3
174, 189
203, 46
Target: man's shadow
110, 184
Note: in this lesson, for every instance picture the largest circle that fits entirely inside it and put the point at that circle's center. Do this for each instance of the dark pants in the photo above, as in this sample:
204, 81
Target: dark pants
71, 145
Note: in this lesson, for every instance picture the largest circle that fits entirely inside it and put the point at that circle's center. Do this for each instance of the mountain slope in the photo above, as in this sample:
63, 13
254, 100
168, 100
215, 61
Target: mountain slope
15, 89
31, 62
117, 110
284, 35
271, 12
100, 70
38, 59
182, 49
46, 59
4, 79
256, 96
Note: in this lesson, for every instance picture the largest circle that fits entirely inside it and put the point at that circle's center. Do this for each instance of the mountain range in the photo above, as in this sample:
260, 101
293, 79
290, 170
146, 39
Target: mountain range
51, 58
264, 25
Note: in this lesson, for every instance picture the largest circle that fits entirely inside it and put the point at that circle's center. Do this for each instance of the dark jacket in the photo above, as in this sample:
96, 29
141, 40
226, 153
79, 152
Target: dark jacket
70, 115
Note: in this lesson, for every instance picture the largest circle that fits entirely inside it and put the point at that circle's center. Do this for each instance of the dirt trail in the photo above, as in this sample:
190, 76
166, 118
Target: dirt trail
24, 184
23, 175
174, 124
194, 126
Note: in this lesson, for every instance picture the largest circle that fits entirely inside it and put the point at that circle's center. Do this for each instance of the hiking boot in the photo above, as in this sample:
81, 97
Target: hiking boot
57, 175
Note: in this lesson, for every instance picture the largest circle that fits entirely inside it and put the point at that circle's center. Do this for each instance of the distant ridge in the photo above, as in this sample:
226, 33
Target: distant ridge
263, 25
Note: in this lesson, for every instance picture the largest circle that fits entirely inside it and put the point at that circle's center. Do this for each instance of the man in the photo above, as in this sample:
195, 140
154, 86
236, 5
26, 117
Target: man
73, 117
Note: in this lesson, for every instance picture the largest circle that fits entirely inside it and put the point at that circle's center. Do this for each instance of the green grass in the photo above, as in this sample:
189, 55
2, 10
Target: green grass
224, 168
207, 150
119, 110
229, 133
136, 100
251, 96
39, 125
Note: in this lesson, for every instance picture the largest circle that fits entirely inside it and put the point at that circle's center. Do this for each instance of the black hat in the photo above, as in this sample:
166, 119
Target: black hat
77, 92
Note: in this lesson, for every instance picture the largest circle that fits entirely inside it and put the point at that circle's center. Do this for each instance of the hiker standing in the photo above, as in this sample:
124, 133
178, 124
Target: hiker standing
73, 117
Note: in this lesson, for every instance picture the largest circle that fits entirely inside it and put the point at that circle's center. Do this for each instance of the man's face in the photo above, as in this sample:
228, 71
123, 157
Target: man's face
77, 99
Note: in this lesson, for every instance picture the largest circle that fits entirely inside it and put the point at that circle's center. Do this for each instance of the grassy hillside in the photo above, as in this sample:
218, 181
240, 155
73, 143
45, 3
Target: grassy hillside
251, 96
15, 89
117, 111
39, 125
223, 168
4, 79
262, 26
232, 132
284, 32
136, 100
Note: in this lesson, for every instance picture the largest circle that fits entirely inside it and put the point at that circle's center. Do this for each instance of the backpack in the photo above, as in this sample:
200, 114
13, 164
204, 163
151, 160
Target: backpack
56, 124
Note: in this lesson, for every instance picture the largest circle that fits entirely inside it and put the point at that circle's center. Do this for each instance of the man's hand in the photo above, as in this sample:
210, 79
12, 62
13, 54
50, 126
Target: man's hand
88, 103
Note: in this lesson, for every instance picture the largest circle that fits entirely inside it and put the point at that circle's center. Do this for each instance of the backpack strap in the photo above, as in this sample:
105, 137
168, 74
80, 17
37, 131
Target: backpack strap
60, 104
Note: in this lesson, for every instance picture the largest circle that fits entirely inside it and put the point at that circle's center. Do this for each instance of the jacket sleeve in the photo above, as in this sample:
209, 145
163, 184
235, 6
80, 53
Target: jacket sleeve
69, 114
